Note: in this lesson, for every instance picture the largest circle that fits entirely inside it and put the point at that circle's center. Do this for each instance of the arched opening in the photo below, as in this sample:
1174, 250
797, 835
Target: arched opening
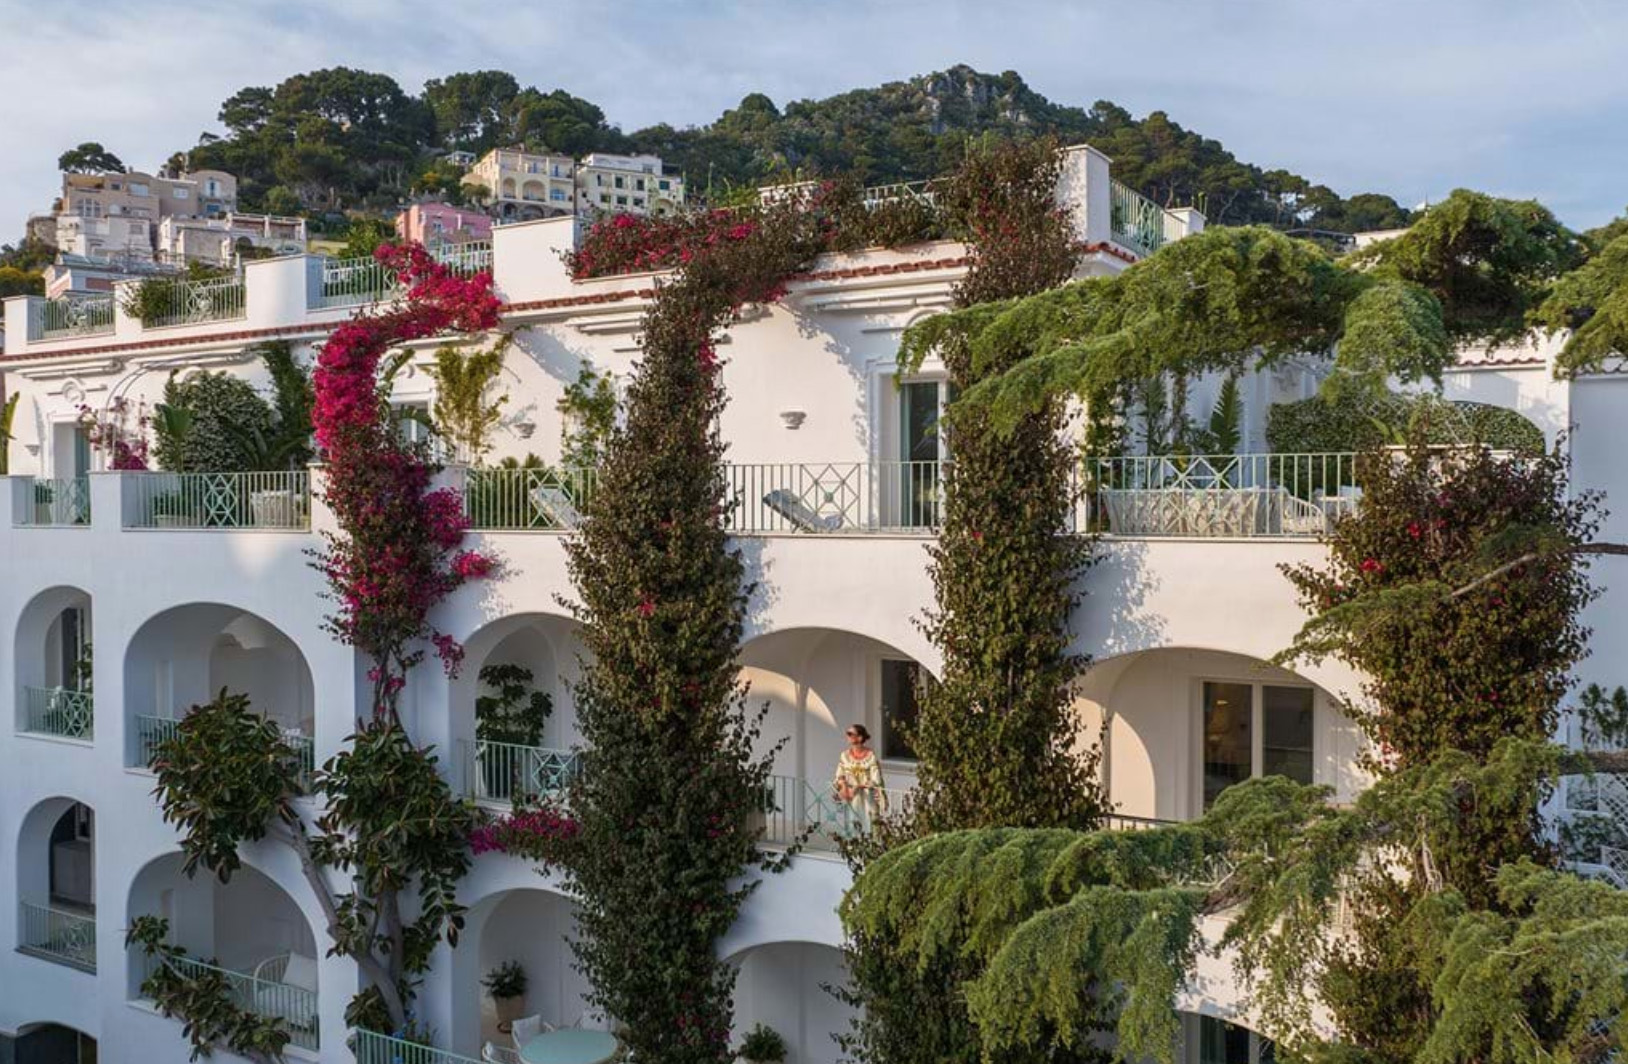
185, 656
56, 883
530, 929
1181, 725
1210, 1039
816, 683
513, 722
247, 931
787, 987
533, 190
52, 655
507, 191
49, 1043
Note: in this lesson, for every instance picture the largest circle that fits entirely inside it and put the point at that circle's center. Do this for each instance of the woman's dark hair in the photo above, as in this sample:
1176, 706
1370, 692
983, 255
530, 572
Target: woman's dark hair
864, 732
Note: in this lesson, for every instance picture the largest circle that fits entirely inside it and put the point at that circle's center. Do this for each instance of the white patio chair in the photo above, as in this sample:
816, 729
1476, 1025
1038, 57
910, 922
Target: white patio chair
287, 970
554, 504
799, 514
525, 1029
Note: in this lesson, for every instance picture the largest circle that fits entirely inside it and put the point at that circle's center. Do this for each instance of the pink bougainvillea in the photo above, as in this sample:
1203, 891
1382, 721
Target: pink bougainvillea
397, 552
535, 833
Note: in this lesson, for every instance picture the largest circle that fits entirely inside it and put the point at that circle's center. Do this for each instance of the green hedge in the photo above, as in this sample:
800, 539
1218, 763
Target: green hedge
1359, 423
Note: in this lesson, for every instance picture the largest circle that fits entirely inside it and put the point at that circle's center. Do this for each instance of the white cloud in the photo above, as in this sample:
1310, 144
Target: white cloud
1409, 97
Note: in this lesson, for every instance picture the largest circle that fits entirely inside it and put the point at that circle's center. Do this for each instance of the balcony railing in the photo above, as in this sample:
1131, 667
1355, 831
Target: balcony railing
196, 302
58, 711
72, 316
350, 282
521, 499
294, 1005
150, 731
1138, 223
836, 497
59, 502
59, 935
1218, 496
505, 772
795, 808
373, 1048
1197, 496
277, 501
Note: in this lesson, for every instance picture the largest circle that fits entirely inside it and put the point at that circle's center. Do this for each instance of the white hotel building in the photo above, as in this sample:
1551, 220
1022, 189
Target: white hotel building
1180, 618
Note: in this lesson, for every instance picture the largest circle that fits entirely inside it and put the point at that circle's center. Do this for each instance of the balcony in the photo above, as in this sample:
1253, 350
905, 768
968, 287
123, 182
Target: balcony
261, 991
59, 935
373, 1048
61, 502
59, 712
1138, 223
1233, 496
503, 773
152, 731
353, 282
57, 319
198, 302
276, 501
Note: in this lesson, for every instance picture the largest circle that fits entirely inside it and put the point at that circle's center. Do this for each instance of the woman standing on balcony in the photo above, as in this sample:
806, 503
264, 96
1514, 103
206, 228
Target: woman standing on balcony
858, 782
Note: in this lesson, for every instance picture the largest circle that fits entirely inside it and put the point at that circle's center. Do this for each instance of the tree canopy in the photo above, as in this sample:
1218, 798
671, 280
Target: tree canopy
344, 138
89, 158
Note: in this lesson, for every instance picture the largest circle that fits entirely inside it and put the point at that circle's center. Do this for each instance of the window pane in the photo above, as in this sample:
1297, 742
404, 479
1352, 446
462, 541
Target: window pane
1220, 1042
1286, 717
1228, 737
898, 706
919, 403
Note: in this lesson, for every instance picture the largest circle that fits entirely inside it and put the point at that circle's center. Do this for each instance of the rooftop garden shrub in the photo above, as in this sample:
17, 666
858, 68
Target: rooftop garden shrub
206, 422
1356, 421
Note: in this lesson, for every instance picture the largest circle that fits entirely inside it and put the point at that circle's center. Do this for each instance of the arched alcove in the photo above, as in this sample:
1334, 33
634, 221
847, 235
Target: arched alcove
52, 649
509, 664
248, 929
186, 655
56, 883
787, 986
1183, 723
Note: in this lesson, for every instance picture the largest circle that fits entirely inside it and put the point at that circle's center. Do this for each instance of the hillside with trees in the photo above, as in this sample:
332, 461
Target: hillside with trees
343, 139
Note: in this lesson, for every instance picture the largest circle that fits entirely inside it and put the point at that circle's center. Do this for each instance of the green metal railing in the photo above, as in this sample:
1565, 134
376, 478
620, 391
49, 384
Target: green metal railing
795, 808
1138, 223
373, 1048
58, 935
836, 497
350, 282
465, 260
59, 502
195, 302
519, 499
58, 711
1217, 496
263, 501
150, 731
72, 316
505, 772
294, 1005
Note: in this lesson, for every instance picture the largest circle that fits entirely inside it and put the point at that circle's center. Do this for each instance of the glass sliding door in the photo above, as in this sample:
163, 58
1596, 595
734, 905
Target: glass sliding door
1229, 737
1286, 732
916, 482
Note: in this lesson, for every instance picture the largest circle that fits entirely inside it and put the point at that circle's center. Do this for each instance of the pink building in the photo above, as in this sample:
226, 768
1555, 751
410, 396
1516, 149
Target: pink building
442, 223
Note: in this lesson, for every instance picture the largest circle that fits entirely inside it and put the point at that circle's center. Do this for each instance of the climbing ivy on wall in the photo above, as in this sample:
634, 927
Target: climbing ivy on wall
661, 830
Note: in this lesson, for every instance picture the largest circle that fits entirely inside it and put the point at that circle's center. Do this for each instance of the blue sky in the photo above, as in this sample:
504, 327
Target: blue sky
1408, 97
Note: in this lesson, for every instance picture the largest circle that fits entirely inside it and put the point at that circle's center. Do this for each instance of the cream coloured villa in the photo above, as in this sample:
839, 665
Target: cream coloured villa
120, 611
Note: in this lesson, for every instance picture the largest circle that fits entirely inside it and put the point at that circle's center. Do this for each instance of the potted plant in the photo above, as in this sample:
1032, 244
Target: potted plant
507, 985
171, 509
762, 1045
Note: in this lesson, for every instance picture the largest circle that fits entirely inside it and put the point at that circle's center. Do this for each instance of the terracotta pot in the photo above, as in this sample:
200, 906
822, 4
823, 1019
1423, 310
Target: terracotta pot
509, 1009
